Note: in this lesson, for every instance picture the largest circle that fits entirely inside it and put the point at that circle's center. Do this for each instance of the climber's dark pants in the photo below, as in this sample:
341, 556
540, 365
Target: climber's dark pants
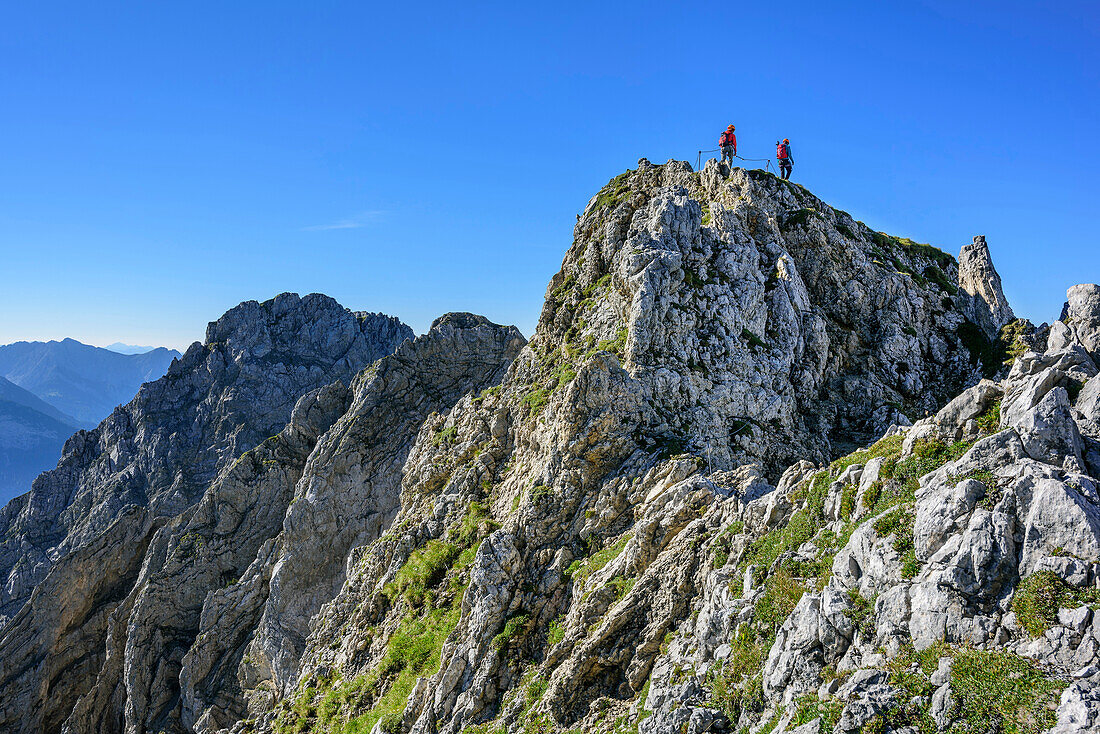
785, 169
728, 154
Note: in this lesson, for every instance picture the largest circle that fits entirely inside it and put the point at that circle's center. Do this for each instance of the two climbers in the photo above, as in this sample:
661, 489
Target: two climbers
727, 141
786, 160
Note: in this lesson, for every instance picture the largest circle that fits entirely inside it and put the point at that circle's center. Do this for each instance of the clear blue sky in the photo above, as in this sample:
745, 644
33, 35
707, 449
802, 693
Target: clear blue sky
160, 162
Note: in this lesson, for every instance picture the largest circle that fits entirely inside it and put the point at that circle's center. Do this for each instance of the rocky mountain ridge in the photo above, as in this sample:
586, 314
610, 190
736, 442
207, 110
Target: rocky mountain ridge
628, 524
81, 380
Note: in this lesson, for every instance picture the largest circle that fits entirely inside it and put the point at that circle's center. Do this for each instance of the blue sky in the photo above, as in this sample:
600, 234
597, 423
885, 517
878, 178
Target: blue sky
161, 162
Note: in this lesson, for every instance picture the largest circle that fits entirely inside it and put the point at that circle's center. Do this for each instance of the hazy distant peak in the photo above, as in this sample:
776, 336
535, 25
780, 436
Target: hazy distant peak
133, 348
12, 393
78, 379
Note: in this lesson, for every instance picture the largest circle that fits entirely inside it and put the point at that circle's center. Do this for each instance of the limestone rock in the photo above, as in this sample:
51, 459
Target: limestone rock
1082, 314
980, 291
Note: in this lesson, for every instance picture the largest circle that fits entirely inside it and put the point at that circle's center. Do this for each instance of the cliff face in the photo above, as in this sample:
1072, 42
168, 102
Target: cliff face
761, 324
71, 548
629, 523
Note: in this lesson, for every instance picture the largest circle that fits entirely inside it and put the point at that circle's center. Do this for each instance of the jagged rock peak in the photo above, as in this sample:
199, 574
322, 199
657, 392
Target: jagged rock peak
314, 326
463, 320
153, 459
1080, 319
766, 324
981, 296
195, 653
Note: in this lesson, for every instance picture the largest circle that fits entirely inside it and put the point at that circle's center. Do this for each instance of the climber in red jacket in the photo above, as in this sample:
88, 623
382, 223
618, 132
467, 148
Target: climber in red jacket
727, 141
786, 160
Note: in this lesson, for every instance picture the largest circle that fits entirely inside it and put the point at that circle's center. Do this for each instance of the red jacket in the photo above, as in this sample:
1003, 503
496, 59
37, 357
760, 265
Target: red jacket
728, 138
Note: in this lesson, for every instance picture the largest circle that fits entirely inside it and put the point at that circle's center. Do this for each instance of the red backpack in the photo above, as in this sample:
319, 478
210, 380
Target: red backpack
781, 151
726, 138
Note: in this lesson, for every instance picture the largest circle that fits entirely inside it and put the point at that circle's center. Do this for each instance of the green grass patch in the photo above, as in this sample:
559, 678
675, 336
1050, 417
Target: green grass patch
940, 279
616, 346
515, 628
1012, 341
541, 494
354, 707
535, 401
862, 614
989, 422
781, 593
1039, 597
1005, 688
580, 569
425, 568
736, 685
928, 455
798, 218
899, 523
848, 502
620, 586
616, 192
445, 436
808, 708
753, 340
414, 649
556, 632
884, 447
913, 249
602, 283
476, 523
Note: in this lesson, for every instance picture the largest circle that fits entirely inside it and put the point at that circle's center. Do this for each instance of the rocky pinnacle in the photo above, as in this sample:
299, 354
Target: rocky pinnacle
980, 289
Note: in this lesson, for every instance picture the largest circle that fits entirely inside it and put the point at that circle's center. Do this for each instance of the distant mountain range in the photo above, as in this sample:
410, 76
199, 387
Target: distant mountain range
80, 380
129, 348
49, 390
32, 433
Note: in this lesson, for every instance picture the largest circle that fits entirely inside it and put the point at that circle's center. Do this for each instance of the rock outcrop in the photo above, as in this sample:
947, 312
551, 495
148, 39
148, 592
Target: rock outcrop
635, 522
301, 500
980, 294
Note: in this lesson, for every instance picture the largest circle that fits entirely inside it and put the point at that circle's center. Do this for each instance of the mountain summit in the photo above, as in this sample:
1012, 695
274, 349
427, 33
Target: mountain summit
655, 516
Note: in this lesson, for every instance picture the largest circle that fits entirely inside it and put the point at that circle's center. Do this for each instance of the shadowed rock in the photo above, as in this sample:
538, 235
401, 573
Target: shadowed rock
980, 294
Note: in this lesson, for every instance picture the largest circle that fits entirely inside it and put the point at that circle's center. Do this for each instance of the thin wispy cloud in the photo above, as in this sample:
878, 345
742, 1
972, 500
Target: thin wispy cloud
359, 220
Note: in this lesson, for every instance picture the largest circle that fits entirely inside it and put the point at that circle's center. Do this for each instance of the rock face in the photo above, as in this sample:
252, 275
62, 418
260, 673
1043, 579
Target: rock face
1079, 318
765, 325
151, 460
299, 501
630, 523
981, 297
